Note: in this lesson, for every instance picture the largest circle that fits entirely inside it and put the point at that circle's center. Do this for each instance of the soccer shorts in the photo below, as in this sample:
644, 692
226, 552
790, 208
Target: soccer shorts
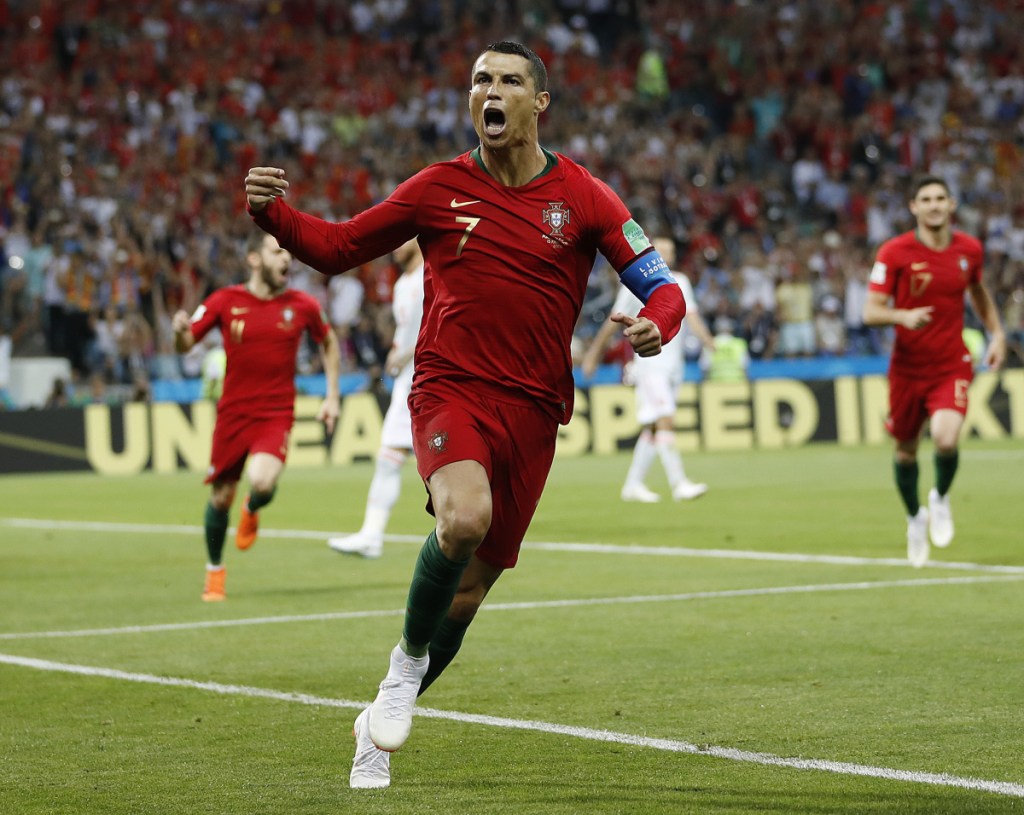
912, 401
655, 395
237, 435
513, 441
396, 432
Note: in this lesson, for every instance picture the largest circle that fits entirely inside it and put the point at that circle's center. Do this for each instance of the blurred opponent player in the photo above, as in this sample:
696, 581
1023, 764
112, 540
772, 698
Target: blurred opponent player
656, 380
917, 284
509, 233
396, 434
262, 323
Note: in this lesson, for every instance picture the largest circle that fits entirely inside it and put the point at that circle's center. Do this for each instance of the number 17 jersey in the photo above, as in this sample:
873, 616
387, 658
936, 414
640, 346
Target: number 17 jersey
915, 276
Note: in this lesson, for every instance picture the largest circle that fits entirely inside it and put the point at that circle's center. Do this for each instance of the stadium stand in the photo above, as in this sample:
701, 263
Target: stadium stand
772, 140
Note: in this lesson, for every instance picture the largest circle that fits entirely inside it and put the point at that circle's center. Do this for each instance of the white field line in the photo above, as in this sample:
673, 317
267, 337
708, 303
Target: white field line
524, 606
592, 548
669, 745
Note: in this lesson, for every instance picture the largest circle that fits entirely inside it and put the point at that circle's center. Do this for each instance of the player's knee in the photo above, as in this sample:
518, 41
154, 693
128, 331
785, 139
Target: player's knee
461, 530
222, 496
262, 482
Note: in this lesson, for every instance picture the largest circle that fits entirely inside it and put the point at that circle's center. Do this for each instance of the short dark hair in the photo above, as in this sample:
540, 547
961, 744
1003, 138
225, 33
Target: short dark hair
254, 241
923, 181
538, 73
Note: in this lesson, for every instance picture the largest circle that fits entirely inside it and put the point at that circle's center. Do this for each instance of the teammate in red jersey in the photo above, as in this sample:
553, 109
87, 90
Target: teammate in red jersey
509, 234
262, 323
917, 284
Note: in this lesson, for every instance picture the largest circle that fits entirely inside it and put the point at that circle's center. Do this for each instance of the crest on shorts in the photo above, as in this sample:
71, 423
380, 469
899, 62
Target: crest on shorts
438, 441
555, 217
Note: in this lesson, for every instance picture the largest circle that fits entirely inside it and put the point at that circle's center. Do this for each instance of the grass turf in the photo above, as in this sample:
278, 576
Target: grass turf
899, 674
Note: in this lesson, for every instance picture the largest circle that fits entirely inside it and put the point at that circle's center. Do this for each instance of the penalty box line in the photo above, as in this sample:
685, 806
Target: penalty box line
547, 546
1006, 788
520, 606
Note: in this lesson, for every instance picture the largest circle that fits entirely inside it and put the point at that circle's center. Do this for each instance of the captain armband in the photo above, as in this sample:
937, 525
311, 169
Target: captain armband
646, 273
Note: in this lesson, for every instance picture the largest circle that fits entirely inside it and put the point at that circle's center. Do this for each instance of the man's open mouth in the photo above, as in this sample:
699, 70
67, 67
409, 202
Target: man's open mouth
494, 121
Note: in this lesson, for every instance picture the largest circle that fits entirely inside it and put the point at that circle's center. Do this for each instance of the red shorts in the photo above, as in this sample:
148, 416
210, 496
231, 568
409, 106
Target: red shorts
237, 435
912, 401
513, 441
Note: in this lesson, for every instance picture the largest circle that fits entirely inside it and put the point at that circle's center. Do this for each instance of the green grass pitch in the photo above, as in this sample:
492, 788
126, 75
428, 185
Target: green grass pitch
670, 658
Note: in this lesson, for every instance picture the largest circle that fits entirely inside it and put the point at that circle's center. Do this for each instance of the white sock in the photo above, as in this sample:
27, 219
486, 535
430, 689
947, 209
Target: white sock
385, 488
643, 455
665, 444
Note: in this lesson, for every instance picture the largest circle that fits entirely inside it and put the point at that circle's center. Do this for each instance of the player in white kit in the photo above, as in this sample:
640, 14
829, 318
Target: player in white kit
656, 380
396, 433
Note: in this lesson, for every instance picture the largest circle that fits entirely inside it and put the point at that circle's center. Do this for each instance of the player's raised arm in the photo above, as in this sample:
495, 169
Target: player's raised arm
263, 185
331, 247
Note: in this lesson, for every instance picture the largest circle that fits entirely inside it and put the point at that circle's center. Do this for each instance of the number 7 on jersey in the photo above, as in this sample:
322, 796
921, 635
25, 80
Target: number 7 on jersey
470, 226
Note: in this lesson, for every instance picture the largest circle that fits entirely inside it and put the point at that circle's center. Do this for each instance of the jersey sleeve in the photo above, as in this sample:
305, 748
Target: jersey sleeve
883, 272
317, 323
333, 248
978, 261
208, 315
619, 238
622, 241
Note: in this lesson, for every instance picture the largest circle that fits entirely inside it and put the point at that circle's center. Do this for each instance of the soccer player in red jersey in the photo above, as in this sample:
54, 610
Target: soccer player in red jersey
509, 233
262, 323
917, 284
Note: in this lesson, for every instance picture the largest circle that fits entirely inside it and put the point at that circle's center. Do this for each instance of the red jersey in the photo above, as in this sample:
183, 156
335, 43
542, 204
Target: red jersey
914, 276
261, 340
505, 268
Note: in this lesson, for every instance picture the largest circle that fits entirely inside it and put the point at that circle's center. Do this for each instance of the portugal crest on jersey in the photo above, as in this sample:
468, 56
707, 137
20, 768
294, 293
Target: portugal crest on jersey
965, 267
287, 319
555, 216
438, 441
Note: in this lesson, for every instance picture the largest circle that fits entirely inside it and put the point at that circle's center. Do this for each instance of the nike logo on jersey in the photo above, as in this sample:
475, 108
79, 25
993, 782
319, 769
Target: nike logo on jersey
456, 204
238, 310
916, 267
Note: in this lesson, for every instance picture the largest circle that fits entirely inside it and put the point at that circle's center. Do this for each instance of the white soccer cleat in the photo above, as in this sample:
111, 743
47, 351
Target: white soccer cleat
390, 718
361, 544
917, 538
371, 768
688, 490
640, 493
940, 519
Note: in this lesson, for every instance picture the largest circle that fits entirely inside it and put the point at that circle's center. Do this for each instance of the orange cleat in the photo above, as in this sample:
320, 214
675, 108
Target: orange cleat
248, 526
213, 591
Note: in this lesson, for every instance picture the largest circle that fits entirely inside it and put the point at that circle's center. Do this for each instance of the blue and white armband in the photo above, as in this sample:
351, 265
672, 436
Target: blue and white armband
646, 273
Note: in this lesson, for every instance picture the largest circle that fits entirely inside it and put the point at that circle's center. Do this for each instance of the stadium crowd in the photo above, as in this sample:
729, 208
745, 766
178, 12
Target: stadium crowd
773, 141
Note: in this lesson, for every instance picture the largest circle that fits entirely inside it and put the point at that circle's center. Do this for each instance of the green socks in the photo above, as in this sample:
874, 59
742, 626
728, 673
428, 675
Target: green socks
907, 477
945, 469
906, 483
443, 648
434, 583
260, 499
215, 525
